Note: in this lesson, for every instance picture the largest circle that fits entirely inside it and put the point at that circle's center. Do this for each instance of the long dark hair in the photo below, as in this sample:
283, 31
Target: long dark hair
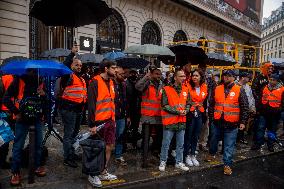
202, 77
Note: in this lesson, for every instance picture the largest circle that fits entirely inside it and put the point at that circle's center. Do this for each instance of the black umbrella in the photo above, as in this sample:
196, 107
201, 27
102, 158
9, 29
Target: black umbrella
220, 59
13, 58
55, 53
132, 62
186, 53
71, 13
91, 58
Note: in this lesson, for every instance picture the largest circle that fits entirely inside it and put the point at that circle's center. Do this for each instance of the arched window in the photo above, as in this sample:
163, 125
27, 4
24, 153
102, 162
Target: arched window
151, 34
179, 36
111, 34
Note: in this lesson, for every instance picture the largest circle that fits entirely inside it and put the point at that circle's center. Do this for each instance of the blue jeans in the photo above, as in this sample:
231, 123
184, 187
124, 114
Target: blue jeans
268, 122
71, 121
229, 139
193, 130
21, 131
167, 138
120, 126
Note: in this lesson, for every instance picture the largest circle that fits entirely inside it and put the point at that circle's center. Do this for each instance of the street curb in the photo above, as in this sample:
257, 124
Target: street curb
155, 178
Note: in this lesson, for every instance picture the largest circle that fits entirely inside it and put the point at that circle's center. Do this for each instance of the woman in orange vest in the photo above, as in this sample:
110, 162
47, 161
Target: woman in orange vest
175, 106
270, 111
198, 93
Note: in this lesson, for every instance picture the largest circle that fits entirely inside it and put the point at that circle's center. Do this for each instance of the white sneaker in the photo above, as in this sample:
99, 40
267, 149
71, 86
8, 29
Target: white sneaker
194, 160
188, 161
107, 176
182, 166
95, 181
162, 166
174, 154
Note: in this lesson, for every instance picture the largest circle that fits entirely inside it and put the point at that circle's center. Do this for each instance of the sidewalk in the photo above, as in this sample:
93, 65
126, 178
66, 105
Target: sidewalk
60, 176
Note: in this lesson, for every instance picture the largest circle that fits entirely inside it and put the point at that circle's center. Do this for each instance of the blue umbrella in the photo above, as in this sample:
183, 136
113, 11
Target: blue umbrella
114, 55
44, 67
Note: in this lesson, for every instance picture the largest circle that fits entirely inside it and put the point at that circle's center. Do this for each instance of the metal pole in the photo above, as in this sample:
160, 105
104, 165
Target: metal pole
146, 135
31, 177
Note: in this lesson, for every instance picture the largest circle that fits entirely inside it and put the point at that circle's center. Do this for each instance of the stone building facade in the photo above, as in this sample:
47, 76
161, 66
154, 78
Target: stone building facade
272, 35
133, 22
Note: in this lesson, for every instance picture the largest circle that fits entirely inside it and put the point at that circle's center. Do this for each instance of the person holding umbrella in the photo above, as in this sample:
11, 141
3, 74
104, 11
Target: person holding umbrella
73, 97
28, 85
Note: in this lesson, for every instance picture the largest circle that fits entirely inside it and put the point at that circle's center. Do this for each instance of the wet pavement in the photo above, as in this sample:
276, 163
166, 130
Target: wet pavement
258, 172
265, 172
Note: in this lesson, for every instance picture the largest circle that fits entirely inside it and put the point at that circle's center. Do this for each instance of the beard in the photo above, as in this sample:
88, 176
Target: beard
109, 74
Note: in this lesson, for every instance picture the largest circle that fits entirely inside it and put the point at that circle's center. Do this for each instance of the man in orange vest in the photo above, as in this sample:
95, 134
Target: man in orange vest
5, 82
270, 111
150, 86
175, 106
73, 97
228, 111
101, 111
21, 88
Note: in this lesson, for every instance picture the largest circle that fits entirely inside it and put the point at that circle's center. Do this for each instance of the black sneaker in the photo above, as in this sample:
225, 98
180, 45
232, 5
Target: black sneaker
255, 147
70, 163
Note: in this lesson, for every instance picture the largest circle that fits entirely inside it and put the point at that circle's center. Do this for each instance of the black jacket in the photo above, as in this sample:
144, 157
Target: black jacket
243, 101
257, 87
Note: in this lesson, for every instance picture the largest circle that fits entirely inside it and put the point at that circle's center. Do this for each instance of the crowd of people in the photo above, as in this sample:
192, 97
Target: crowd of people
185, 111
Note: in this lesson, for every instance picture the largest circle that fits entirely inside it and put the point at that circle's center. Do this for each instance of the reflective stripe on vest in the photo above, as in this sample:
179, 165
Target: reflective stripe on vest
77, 92
272, 98
228, 106
6, 80
151, 102
177, 101
197, 100
105, 108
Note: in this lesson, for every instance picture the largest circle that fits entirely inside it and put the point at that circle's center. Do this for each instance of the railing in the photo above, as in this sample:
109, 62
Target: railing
232, 49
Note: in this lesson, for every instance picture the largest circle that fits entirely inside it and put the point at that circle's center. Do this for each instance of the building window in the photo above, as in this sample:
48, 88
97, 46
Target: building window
280, 41
275, 55
280, 53
268, 45
180, 36
272, 44
271, 55
276, 42
111, 34
151, 34
264, 57
267, 57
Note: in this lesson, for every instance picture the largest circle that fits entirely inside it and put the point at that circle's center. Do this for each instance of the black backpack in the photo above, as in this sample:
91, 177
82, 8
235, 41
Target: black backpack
93, 160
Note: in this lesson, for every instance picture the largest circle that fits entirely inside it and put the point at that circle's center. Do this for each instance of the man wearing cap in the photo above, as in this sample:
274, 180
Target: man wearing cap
228, 111
257, 86
270, 111
243, 81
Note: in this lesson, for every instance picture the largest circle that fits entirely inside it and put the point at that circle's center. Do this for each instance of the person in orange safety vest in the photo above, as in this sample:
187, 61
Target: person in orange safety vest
73, 96
175, 106
228, 110
101, 111
150, 86
21, 88
270, 111
198, 93
5, 82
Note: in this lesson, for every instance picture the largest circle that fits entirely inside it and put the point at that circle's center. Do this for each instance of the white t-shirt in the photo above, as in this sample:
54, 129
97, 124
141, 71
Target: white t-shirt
197, 89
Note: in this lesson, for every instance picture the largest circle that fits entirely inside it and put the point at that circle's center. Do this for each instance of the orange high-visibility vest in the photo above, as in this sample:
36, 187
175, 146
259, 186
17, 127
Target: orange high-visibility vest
272, 98
151, 102
229, 106
7, 80
21, 94
175, 100
77, 92
105, 107
198, 100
